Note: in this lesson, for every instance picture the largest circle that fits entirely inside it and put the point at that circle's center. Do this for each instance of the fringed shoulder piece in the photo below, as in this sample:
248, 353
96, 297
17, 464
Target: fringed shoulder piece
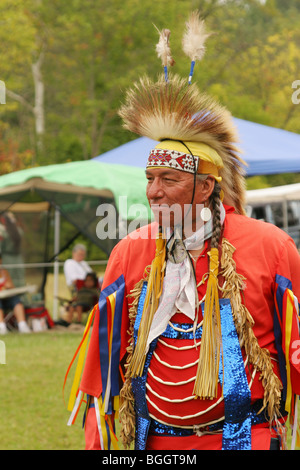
154, 290
127, 413
259, 357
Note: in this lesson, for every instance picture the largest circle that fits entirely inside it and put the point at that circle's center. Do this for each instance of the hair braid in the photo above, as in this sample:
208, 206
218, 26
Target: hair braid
217, 227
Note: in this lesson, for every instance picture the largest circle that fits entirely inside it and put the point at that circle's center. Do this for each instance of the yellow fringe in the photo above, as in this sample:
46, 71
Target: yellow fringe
207, 373
154, 290
259, 357
206, 383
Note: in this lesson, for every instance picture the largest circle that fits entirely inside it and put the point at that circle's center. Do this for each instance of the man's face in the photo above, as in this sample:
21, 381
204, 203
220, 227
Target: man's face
172, 189
79, 255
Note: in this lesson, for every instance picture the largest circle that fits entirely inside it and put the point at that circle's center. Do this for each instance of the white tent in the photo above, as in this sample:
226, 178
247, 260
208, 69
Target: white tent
279, 205
289, 192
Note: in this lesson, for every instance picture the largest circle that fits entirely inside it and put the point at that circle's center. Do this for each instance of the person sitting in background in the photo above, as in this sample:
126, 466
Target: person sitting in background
11, 303
11, 246
76, 269
85, 299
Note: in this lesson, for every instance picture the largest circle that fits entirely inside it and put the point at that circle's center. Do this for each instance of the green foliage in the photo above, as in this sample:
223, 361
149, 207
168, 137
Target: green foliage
268, 181
89, 52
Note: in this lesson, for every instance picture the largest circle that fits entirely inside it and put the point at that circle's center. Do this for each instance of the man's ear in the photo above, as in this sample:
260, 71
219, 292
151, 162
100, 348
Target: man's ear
207, 187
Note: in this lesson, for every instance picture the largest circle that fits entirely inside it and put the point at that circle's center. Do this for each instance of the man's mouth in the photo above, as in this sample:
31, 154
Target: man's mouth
166, 215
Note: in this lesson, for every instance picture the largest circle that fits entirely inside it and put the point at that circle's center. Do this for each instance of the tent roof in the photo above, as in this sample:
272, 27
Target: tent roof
88, 177
290, 192
266, 150
120, 172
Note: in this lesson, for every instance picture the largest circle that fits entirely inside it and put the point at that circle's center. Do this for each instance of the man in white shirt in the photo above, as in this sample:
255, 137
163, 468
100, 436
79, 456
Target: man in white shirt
76, 269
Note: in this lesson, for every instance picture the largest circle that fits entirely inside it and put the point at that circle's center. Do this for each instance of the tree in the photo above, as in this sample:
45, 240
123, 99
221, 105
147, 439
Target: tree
23, 63
66, 66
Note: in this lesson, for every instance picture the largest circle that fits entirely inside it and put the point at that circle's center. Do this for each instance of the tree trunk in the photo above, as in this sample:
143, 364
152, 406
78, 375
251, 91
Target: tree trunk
38, 110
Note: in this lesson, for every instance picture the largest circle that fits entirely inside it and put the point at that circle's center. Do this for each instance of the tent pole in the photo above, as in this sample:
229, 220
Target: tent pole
285, 215
56, 263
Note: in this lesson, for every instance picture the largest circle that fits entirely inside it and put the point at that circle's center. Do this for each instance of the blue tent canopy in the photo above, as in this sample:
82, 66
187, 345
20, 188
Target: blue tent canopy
266, 150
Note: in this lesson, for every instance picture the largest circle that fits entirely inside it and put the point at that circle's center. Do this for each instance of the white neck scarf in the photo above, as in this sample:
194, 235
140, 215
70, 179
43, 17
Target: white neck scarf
179, 288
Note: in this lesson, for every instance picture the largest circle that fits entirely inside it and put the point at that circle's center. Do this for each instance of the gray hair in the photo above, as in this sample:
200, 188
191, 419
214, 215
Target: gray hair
79, 247
201, 177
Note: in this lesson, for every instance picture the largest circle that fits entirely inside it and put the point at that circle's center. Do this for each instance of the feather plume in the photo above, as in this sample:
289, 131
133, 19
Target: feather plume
164, 51
193, 41
194, 37
181, 112
163, 47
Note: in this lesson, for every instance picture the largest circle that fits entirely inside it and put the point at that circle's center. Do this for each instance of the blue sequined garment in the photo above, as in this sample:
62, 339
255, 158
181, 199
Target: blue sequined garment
239, 415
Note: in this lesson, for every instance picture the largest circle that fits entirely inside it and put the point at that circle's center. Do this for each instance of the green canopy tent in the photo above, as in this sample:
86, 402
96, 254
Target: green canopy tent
103, 180
97, 199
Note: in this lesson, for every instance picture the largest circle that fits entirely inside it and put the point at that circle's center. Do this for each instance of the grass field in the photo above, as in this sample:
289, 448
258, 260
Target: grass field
33, 414
32, 409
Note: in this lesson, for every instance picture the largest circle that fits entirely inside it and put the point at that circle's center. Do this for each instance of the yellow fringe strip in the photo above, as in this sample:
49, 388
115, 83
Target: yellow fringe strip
260, 357
105, 433
154, 290
82, 350
206, 383
289, 322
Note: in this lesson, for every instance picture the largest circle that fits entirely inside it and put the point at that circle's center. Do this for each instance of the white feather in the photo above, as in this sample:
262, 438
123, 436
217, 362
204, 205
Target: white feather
194, 37
163, 47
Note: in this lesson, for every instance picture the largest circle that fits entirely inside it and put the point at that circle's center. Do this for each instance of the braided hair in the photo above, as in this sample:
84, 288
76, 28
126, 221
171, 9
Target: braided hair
215, 203
217, 227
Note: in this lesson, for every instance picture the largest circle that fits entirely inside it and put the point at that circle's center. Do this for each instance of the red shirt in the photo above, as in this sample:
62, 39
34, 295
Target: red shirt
262, 251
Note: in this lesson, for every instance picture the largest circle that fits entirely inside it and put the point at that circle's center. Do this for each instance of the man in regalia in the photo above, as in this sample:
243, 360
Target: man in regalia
196, 328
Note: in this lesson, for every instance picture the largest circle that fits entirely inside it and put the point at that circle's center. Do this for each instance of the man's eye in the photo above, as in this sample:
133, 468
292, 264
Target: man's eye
170, 180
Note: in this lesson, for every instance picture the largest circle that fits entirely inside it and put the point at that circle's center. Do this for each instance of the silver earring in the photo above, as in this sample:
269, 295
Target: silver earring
205, 214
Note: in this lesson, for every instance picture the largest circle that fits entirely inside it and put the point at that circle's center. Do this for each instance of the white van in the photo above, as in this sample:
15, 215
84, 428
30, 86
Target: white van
276, 205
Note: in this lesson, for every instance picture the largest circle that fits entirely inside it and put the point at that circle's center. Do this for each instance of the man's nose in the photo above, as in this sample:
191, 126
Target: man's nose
155, 190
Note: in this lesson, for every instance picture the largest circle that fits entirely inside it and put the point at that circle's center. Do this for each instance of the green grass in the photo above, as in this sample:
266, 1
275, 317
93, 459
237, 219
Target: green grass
32, 410
33, 415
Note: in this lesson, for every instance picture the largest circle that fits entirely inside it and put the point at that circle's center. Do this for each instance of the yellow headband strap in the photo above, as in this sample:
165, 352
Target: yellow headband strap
208, 168
184, 157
